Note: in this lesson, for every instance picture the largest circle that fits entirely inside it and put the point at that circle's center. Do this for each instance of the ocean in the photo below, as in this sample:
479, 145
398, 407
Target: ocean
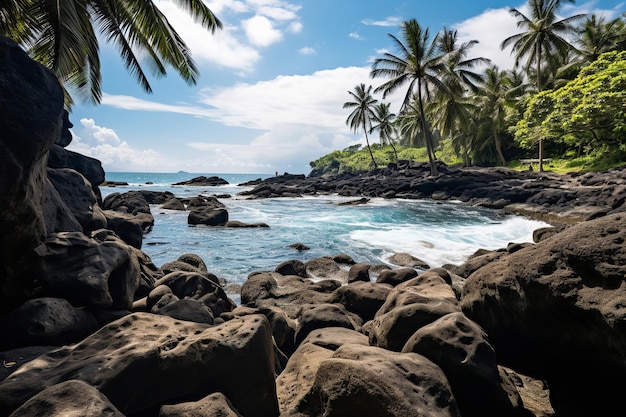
437, 232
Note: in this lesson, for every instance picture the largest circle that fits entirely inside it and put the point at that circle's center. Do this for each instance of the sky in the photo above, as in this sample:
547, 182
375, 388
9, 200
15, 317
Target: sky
272, 82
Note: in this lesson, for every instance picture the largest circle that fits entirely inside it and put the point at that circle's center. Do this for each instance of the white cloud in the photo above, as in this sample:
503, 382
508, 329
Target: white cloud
355, 35
104, 144
222, 47
390, 21
295, 27
301, 118
307, 50
248, 25
261, 31
501, 24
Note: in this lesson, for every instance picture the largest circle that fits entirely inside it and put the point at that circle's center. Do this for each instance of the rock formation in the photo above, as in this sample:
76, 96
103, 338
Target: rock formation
92, 327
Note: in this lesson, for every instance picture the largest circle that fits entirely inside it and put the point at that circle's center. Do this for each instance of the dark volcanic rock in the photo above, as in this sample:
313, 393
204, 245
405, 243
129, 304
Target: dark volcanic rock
31, 105
144, 361
67, 399
45, 322
547, 306
204, 181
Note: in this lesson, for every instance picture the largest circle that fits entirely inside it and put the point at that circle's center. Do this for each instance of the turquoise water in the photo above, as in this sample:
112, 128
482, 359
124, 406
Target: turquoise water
436, 232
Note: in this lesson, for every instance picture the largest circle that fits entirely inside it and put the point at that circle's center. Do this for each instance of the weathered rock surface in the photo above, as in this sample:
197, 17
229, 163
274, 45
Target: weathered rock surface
213, 405
94, 272
143, 361
362, 380
68, 399
548, 306
31, 104
410, 306
45, 322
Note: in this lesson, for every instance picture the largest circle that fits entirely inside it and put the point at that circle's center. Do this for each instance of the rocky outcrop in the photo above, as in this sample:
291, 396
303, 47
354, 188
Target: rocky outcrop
556, 199
144, 360
31, 104
93, 327
548, 306
203, 181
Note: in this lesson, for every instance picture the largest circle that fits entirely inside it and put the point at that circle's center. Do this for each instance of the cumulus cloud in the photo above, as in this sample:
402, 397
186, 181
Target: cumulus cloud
104, 144
501, 25
292, 120
261, 31
248, 26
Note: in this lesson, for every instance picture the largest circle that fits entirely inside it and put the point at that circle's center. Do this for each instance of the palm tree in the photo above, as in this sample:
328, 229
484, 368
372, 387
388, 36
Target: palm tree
62, 35
362, 115
544, 36
383, 118
497, 93
419, 64
452, 108
599, 36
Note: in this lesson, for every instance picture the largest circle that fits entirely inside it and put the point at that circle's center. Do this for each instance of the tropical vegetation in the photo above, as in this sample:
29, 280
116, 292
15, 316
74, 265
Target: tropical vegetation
565, 97
64, 36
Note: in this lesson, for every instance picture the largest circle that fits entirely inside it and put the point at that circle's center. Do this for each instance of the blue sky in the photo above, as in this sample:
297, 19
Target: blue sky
272, 82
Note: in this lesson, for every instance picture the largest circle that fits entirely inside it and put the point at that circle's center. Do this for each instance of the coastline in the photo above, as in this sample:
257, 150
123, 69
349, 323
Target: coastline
534, 329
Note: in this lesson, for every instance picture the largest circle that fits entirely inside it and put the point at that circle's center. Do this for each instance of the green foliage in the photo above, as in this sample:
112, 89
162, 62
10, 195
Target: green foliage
342, 161
588, 112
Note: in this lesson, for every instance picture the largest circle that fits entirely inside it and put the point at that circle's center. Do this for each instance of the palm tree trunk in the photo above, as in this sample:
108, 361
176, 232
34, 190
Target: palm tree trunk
498, 143
539, 89
369, 148
427, 133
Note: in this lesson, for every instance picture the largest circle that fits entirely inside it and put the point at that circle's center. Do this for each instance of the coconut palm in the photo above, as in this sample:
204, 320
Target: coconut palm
497, 93
543, 37
362, 115
420, 64
599, 36
384, 119
452, 108
62, 35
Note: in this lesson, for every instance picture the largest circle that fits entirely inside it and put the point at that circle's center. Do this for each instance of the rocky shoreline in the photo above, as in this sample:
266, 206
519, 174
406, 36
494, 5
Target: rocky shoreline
92, 327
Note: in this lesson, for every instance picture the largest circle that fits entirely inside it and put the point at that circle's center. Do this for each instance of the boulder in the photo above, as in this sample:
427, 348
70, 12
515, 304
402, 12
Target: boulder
45, 322
362, 380
143, 361
408, 260
66, 399
362, 298
394, 277
548, 306
31, 104
213, 405
208, 217
297, 378
325, 268
203, 181
87, 271
410, 306
316, 316
462, 350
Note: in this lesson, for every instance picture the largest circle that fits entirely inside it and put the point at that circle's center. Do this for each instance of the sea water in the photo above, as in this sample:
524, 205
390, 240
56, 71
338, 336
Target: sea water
438, 233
